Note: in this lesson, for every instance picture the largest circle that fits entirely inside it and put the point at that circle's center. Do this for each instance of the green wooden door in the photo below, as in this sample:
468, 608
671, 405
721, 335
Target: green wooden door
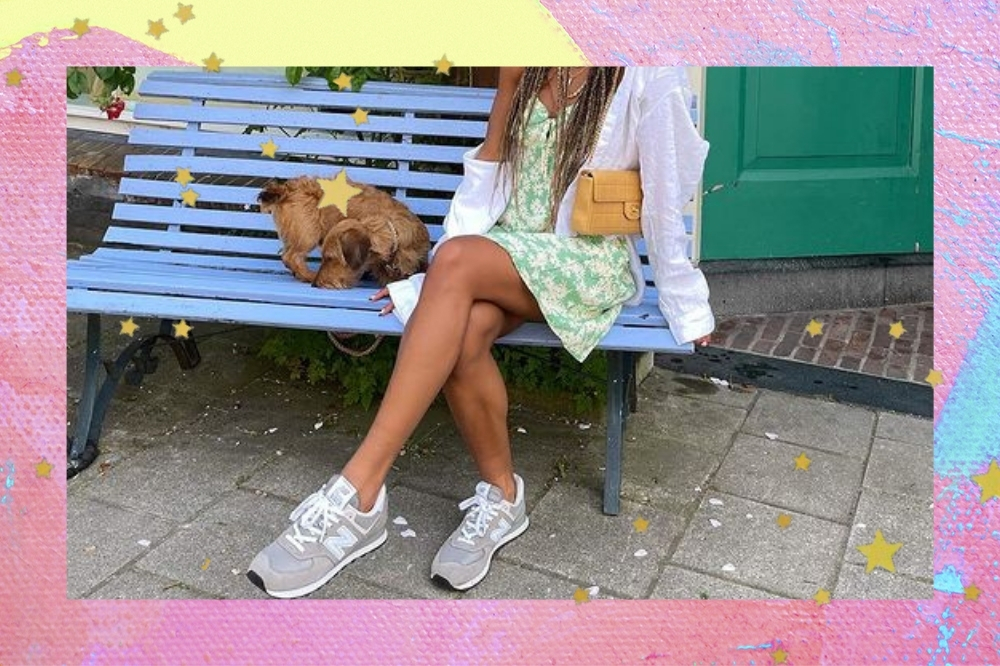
817, 161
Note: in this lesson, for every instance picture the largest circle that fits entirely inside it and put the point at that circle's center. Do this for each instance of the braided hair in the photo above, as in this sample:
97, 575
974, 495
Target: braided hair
575, 135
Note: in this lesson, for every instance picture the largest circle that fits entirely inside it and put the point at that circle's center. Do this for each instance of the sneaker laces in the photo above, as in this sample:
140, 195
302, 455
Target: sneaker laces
312, 518
481, 512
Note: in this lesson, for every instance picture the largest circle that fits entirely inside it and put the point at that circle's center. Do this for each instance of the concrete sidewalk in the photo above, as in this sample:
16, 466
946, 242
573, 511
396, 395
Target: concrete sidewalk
200, 469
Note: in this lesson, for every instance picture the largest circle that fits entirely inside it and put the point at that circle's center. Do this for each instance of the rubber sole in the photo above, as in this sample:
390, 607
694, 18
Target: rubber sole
510, 536
255, 578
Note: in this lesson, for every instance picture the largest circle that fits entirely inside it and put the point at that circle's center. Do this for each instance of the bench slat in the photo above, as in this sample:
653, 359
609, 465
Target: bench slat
414, 152
229, 166
469, 129
350, 100
233, 194
324, 318
244, 286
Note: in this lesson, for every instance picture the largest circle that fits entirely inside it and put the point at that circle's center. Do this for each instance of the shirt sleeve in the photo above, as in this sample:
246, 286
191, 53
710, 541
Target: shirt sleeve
480, 198
671, 159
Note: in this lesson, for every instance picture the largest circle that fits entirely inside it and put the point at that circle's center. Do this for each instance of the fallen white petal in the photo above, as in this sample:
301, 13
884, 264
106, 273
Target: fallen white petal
279, 452
407, 533
236, 572
317, 425
715, 502
641, 553
399, 520
584, 426
714, 522
144, 543
860, 526
522, 431
770, 435
697, 489
592, 591
718, 382
749, 516
728, 567
271, 431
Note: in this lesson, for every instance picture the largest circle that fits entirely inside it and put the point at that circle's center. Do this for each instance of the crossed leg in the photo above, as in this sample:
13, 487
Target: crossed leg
446, 344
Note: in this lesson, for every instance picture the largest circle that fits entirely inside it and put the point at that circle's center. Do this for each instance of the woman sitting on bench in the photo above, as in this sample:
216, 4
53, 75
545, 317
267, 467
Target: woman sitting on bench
510, 257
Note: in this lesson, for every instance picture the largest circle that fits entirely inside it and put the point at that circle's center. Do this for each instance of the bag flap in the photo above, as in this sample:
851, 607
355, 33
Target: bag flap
612, 186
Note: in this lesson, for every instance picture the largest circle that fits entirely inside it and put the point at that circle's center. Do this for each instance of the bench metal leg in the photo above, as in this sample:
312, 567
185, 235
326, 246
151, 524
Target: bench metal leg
618, 407
95, 400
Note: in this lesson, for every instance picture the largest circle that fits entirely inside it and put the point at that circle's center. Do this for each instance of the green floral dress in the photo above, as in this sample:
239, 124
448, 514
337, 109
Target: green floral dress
580, 282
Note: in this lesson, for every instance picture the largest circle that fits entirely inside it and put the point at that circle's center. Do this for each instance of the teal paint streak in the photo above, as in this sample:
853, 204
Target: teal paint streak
7, 474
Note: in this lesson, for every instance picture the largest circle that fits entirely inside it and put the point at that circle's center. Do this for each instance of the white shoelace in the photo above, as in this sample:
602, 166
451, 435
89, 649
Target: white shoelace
481, 512
317, 508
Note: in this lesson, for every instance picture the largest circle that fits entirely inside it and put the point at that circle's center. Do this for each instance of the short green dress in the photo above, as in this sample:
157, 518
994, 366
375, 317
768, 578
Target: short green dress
580, 282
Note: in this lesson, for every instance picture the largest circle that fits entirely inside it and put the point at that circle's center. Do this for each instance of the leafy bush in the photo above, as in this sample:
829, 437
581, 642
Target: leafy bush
361, 74
550, 372
103, 84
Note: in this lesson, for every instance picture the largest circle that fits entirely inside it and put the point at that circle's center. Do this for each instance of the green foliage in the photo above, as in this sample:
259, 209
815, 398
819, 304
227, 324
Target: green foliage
359, 75
101, 83
308, 355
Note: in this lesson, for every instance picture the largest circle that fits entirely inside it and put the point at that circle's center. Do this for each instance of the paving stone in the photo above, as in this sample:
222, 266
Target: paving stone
177, 478
905, 428
302, 468
815, 423
592, 547
345, 585
704, 425
404, 563
227, 536
678, 583
509, 581
794, 562
100, 539
901, 468
659, 470
905, 520
661, 381
137, 584
763, 470
854, 583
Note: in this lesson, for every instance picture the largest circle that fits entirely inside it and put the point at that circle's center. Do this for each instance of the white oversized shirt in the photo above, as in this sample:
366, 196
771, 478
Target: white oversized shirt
648, 127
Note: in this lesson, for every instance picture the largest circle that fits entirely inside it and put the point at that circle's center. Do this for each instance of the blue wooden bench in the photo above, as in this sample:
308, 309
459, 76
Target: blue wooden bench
218, 261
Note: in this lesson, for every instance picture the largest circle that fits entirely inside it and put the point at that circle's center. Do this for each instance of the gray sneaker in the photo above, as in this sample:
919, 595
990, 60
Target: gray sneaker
327, 533
464, 559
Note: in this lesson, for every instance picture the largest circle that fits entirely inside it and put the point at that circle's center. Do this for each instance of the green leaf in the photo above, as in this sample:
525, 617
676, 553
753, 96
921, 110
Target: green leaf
294, 74
106, 74
76, 82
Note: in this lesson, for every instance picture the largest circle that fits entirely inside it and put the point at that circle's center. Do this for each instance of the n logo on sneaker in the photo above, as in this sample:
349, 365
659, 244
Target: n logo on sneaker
343, 539
498, 533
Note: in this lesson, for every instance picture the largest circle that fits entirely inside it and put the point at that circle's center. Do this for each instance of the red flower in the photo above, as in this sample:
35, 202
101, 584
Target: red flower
114, 109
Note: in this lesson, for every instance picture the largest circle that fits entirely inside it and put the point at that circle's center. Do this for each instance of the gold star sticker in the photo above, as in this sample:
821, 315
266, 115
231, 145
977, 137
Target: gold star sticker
640, 524
189, 197
879, 553
581, 595
934, 377
183, 176
802, 462
213, 62
14, 78
779, 656
43, 468
343, 81
443, 65
337, 192
81, 27
184, 13
156, 28
972, 593
269, 149
360, 116
784, 520
896, 330
814, 328
989, 482
182, 329
822, 596
129, 327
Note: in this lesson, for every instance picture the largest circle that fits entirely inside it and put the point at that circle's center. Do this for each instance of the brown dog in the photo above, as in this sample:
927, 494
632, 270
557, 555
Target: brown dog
379, 235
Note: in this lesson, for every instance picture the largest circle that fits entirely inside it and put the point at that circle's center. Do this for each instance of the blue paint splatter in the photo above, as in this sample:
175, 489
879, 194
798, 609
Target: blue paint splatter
7, 474
834, 40
948, 580
982, 143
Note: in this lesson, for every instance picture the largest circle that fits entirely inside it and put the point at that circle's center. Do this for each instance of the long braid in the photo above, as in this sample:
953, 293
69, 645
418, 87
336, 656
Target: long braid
575, 136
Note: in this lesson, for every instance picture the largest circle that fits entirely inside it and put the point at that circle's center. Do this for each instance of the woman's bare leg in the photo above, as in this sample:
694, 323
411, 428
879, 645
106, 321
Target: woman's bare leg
465, 270
477, 396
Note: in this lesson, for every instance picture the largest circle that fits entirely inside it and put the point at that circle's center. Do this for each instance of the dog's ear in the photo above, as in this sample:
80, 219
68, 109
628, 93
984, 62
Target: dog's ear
356, 246
271, 193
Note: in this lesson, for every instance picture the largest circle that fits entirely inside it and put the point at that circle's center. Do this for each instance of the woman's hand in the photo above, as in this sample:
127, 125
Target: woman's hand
379, 295
703, 340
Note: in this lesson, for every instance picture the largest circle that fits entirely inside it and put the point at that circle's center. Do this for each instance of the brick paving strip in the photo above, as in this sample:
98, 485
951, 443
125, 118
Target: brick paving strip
854, 340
